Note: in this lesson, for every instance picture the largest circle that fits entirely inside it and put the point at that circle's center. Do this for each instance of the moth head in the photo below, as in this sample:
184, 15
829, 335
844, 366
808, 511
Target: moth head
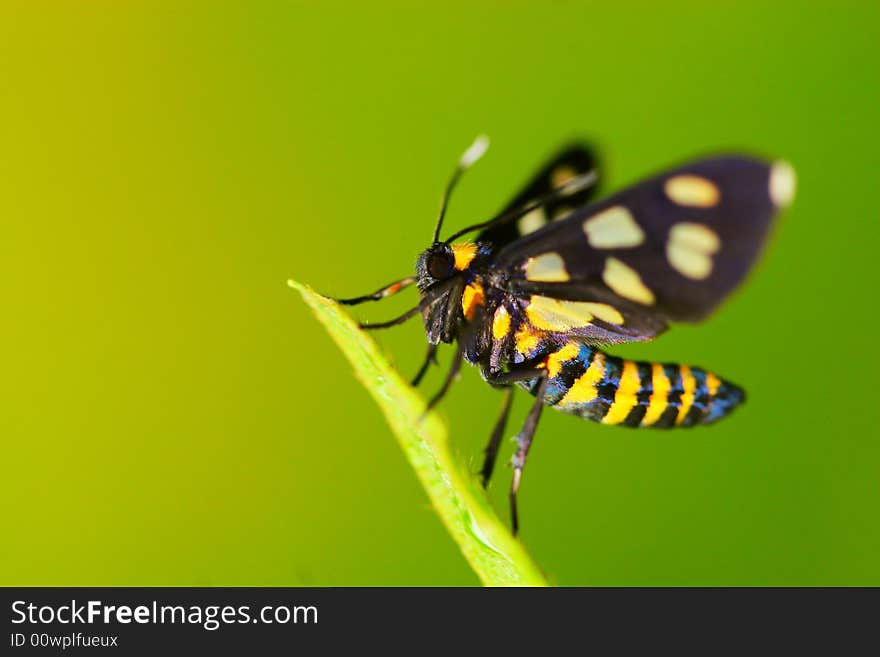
437, 274
435, 265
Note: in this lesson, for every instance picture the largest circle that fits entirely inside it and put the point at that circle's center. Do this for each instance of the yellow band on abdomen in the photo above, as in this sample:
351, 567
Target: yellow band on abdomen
659, 396
688, 385
626, 395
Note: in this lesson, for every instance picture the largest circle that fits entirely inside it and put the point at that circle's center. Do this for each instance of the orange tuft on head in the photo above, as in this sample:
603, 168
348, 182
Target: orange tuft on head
464, 253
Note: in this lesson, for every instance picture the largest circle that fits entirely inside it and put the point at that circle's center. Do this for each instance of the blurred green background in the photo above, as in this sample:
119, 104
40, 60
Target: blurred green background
172, 414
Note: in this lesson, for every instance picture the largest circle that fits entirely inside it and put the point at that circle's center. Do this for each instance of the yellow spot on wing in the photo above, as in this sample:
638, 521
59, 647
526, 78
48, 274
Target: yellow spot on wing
561, 175
603, 311
561, 211
547, 267
690, 249
584, 389
693, 191
659, 396
625, 397
500, 323
532, 221
626, 282
614, 228
557, 358
471, 299
527, 340
688, 384
464, 253
782, 183
550, 314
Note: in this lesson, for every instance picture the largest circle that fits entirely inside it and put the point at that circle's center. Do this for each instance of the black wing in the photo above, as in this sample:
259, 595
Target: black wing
669, 248
574, 160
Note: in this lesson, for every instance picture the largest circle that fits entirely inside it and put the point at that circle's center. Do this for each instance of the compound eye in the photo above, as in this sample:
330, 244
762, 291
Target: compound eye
440, 265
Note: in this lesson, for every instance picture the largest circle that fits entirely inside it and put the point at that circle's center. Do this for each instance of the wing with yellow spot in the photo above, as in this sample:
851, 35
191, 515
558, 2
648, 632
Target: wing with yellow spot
601, 320
670, 248
572, 161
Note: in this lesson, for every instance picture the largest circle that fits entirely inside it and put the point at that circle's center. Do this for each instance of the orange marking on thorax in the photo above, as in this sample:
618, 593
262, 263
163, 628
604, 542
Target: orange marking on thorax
500, 323
464, 253
527, 340
472, 298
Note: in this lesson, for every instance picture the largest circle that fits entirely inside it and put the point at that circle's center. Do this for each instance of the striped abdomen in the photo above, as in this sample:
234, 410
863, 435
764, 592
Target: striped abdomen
586, 382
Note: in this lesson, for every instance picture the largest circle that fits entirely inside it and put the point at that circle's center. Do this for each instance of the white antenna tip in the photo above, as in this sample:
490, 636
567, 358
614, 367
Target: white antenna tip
475, 152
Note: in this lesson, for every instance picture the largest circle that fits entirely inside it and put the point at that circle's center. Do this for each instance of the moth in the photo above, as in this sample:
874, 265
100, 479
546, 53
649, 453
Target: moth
557, 276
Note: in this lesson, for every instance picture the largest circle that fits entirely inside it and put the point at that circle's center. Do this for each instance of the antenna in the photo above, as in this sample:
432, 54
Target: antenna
573, 186
471, 155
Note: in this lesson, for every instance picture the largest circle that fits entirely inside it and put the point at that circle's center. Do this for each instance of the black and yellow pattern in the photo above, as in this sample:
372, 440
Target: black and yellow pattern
555, 277
591, 384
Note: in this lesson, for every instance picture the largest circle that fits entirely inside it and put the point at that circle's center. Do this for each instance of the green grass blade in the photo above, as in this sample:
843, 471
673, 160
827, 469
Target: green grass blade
495, 555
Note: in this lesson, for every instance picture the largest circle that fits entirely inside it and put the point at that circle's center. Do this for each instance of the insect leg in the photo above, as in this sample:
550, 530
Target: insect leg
495, 439
381, 293
412, 312
426, 301
449, 324
454, 369
524, 442
527, 433
430, 357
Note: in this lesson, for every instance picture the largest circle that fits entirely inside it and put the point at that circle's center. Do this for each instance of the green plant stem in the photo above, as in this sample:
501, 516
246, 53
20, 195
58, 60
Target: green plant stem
496, 556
